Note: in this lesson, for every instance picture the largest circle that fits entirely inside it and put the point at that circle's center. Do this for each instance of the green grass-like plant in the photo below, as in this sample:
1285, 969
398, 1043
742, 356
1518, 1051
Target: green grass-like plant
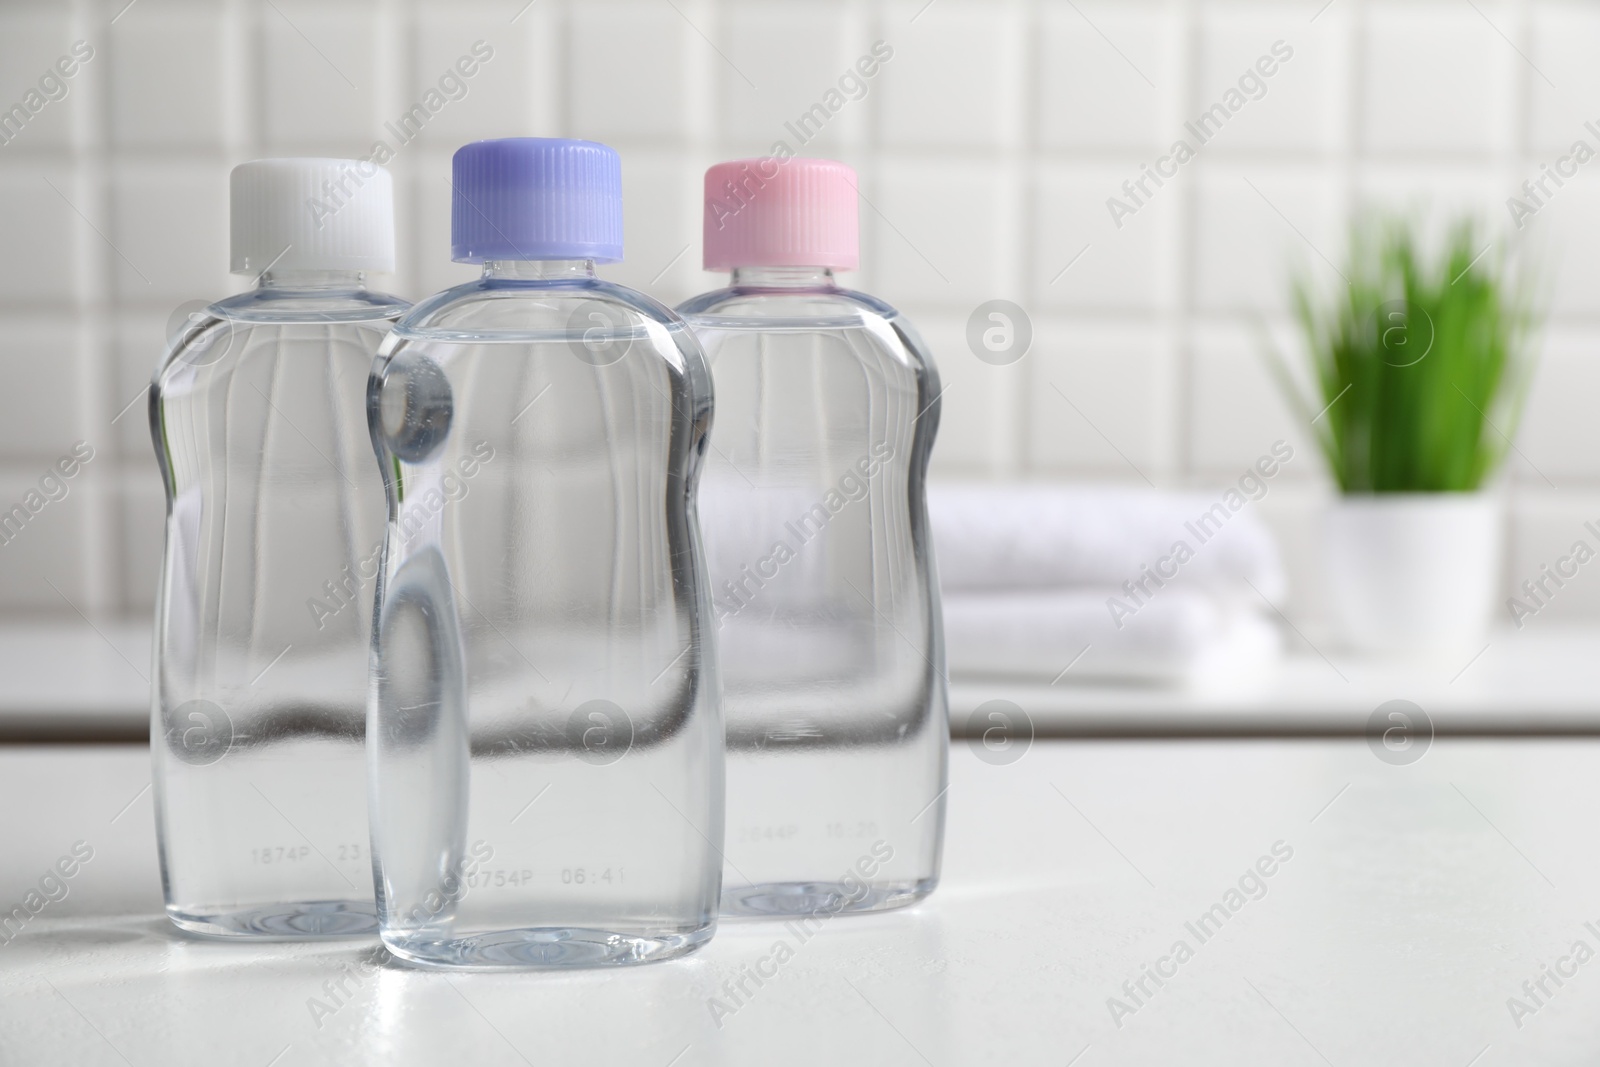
1419, 364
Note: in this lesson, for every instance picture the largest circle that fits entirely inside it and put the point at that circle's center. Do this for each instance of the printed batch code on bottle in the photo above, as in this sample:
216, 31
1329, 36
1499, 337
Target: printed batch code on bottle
501, 877
296, 853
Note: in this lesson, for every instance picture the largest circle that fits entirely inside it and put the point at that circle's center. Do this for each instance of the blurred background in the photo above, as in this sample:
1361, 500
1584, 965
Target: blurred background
988, 145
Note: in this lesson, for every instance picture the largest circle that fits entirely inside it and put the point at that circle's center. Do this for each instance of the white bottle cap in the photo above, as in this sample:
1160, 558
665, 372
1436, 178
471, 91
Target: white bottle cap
312, 214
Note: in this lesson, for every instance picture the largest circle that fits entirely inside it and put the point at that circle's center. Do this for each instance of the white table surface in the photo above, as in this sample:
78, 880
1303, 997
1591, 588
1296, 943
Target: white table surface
1418, 899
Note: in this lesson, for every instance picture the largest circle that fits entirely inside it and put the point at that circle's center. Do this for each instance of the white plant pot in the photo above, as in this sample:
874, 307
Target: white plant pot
1413, 572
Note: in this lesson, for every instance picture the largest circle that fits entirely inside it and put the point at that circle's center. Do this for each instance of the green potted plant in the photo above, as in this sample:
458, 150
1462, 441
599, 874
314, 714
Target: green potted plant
1419, 372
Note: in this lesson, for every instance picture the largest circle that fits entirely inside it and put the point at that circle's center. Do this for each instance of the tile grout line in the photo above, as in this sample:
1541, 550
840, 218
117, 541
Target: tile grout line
96, 341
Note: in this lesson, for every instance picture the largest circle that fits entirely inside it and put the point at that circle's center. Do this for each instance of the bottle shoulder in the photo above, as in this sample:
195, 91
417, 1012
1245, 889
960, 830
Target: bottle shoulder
206, 349
291, 307
753, 306
497, 307
745, 310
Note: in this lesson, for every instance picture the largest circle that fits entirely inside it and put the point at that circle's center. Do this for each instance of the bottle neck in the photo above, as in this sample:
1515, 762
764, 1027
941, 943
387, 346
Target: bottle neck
533, 270
304, 280
784, 277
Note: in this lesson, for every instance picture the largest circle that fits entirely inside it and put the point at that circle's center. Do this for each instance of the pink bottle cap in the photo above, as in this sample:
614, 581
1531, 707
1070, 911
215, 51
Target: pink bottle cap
774, 212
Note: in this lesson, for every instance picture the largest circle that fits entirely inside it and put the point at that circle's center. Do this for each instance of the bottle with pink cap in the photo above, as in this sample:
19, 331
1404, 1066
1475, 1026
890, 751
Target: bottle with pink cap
817, 542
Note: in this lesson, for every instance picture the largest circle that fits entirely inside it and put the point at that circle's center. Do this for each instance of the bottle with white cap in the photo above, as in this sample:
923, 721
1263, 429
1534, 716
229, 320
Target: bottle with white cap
822, 568
274, 532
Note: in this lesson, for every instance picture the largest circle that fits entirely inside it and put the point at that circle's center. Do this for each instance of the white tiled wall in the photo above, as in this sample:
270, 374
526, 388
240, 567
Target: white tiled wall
987, 148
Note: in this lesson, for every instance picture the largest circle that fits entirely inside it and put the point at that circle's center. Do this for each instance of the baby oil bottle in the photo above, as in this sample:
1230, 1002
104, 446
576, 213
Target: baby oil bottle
822, 571
545, 735
274, 527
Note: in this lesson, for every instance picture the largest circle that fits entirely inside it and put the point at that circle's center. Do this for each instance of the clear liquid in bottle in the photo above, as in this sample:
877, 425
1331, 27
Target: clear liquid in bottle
546, 738
822, 570
273, 538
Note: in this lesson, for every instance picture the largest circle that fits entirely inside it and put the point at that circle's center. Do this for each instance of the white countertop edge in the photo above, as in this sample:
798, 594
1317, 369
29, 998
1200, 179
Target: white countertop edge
71, 681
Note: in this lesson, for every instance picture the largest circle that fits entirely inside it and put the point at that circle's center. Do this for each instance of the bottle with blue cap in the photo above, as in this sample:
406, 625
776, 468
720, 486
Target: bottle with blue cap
545, 732
273, 533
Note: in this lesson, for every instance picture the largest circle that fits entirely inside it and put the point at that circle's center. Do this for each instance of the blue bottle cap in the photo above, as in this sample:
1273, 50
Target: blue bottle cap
536, 198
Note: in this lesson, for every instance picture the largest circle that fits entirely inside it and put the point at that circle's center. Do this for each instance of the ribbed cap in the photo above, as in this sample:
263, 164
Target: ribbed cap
781, 213
536, 198
311, 214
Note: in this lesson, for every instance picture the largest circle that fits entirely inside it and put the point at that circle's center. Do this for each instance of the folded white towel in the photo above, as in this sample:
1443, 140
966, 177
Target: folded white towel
1025, 571
992, 538
1179, 635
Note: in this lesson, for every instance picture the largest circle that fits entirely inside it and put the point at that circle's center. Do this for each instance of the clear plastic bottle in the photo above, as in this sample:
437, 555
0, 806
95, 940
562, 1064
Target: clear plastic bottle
823, 578
546, 736
274, 525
